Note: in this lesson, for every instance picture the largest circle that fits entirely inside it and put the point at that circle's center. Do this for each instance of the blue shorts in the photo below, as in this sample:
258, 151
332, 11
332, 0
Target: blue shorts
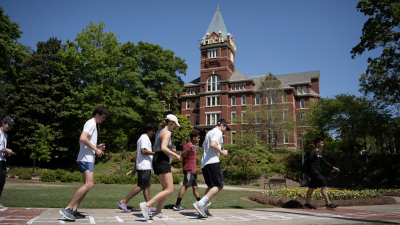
83, 166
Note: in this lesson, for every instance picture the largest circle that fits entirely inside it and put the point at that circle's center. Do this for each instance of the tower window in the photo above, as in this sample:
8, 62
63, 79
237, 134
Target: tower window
213, 53
213, 83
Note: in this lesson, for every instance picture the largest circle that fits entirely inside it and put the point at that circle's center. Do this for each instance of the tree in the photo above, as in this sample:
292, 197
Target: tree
12, 53
381, 31
273, 118
44, 147
39, 98
182, 132
129, 80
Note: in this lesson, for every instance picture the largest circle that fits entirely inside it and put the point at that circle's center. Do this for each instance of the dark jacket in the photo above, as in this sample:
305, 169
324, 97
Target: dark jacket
314, 162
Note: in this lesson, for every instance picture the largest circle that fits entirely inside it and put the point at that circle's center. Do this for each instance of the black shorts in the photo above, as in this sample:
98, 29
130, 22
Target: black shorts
317, 180
161, 163
213, 175
190, 180
144, 178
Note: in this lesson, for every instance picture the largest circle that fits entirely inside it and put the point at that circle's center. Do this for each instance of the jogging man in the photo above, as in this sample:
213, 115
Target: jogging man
211, 167
189, 155
142, 166
6, 125
313, 169
86, 158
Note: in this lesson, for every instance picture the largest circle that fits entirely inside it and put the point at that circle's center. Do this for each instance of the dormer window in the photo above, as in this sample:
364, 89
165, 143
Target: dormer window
213, 53
213, 83
304, 89
298, 90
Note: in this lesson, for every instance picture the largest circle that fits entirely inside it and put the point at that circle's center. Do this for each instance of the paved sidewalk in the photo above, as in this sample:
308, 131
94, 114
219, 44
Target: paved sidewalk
359, 214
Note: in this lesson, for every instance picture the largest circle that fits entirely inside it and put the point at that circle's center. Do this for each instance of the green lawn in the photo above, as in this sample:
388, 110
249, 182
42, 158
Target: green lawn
57, 195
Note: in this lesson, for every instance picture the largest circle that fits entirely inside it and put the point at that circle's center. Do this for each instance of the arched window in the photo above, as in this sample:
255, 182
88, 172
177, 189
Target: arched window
188, 104
213, 83
197, 103
233, 100
243, 100
302, 104
257, 100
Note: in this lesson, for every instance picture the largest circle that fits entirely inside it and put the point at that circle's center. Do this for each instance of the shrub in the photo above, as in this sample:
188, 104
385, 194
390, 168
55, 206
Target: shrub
176, 163
175, 178
199, 171
67, 178
49, 176
25, 176
256, 184
154, 179
60, 173
77, 177
12, 175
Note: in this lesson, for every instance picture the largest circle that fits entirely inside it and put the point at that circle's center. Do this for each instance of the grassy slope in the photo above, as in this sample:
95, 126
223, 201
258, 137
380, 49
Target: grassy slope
57, 195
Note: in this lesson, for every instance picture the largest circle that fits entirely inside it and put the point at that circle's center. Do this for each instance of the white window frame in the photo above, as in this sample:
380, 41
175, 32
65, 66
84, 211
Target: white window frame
187, 91
187, 104
243, 103
240, 86
304, 91
233, 117
197, 104
197, 119
302, 104
236, 87
213, 99
285, 117
210, 116
244, 86
214, 83
284, 98
257, 99
302, 119
232, 87
244, 117
298, 90
213, 53
285, 136
233, 100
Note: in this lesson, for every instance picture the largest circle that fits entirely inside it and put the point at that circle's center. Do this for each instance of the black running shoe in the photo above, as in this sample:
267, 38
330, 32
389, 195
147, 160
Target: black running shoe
309, 206
331, 206
78, 215
179, 208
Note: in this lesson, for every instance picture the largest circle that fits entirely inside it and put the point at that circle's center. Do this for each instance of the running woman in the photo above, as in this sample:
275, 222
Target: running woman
189, 155
313, 169
163, 149
142, 166
211, 167
86, 158
6, 124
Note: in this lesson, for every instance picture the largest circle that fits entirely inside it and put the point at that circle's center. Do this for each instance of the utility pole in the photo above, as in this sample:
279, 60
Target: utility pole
34, 159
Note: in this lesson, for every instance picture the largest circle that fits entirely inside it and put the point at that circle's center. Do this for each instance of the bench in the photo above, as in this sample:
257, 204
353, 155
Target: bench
275, 181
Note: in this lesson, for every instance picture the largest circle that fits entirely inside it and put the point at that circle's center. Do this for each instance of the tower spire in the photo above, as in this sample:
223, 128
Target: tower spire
218, 8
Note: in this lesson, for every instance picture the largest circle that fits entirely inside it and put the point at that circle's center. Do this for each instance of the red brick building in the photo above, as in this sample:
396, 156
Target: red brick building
222, 91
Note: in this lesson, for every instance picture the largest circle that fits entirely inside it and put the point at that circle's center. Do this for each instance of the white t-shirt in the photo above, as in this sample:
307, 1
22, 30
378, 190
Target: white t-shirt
86, 154
3, 144
209, 156
143, 162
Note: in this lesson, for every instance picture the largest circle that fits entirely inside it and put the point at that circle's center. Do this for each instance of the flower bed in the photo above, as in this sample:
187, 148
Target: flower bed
333, 194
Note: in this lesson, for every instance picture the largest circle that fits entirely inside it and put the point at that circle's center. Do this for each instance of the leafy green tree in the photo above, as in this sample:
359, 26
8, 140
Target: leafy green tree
12, 53
128, 80
39, 99
182, 133
381, 31
44, 147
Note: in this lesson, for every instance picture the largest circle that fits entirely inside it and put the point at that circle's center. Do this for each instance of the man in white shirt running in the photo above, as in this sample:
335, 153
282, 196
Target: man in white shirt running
6, 125
211, 167
142, 166
86, 157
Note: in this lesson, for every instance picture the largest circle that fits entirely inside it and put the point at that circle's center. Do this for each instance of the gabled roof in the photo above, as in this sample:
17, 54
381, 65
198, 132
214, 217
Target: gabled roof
290, 79
217, 24
236, 75
193, 82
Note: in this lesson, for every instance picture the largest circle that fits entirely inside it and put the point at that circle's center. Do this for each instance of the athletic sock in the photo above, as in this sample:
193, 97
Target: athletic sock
178, 201
204, 200
198, 199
